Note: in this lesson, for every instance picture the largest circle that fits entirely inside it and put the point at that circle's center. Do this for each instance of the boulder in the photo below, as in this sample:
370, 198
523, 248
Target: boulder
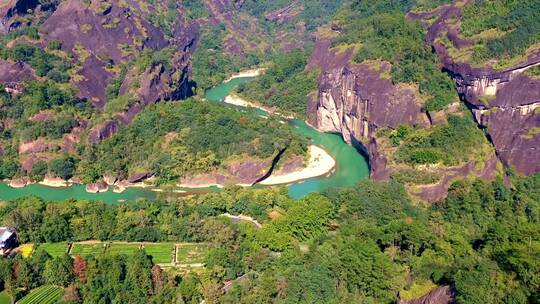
75, 180
285, 14
140, 177
12, 74
103, 131
97, 187
37, 146
440, 295
19, 182
110, 180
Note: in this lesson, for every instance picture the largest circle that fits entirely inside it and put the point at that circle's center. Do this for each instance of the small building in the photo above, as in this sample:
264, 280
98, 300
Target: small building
8, 240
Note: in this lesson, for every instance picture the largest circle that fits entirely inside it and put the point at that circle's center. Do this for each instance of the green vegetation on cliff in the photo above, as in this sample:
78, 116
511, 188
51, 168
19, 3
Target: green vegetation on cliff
313, 12
284, 85
385, 34
502, 29
45, 64
450, 144
212, 65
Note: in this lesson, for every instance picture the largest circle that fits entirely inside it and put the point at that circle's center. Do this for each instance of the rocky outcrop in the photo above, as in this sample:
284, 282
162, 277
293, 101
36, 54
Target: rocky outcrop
434, 192
140, 177
37, 146
71, 139
101, 34
43, 116
97, 187
103, 131
505, 102
19, 182
440, 295
28, 161
12, 8
357, 99
285, 14
12, 74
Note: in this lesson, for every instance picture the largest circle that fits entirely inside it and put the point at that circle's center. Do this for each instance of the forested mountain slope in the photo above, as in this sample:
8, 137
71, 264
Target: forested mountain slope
400, 81
75, 74
440, 96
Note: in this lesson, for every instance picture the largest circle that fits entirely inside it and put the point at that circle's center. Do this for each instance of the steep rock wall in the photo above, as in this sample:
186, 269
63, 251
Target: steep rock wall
505, 102
356, 100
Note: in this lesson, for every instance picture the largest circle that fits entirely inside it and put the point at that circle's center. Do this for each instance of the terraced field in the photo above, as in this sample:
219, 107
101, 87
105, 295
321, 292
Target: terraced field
47, 294
191, 253
54, 249
160, 252
87, 249
123, 248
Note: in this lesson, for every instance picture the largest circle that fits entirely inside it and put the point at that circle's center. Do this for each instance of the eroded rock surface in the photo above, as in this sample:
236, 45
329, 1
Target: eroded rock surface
440, 295
12, 74
505, 102
356, 101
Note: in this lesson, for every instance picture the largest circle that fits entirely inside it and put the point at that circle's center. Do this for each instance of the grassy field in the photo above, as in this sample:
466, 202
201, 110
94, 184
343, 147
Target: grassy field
46, 294
191, 253
54, 249
5, 298
87, 249
160, 252
123, 248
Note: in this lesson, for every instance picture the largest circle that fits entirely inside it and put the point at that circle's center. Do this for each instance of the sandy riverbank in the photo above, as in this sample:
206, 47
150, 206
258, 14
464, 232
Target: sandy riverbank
320, 163
239, 101
247, 73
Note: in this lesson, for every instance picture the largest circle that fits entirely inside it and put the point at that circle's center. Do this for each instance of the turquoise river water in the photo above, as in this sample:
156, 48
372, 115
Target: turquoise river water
351, 166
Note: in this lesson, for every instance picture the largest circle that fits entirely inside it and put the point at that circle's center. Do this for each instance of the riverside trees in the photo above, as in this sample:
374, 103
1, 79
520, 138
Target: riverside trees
368, 242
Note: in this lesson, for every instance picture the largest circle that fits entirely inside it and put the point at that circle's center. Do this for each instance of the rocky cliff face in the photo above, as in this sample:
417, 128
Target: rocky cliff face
104, 35
12, 74
356, 100
12, 8
505, 102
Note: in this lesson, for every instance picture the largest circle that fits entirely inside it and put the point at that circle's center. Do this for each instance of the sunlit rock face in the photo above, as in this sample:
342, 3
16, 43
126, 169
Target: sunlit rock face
505, 102
104, 35
358, 99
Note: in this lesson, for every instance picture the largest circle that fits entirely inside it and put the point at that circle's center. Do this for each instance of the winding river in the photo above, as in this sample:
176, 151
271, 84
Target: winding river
351, 166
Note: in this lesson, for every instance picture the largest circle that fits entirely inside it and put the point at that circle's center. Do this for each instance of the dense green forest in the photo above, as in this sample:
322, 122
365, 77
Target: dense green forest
503, 29
367, 244
284, 85
174, 139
